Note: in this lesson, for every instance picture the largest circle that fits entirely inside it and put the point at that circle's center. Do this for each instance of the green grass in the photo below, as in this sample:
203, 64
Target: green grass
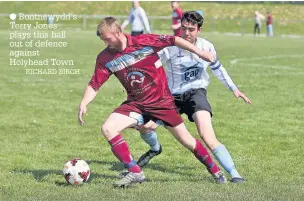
220, 17
39, 130
217, 10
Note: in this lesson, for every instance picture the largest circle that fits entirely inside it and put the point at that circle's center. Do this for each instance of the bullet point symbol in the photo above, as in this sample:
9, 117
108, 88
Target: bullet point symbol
13, 16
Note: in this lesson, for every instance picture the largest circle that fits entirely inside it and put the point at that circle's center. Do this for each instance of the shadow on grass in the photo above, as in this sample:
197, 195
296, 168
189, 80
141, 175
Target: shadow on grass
117, 166
40, 174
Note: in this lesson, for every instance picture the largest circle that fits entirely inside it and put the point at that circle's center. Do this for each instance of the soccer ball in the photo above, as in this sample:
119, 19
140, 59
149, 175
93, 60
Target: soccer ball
76, 171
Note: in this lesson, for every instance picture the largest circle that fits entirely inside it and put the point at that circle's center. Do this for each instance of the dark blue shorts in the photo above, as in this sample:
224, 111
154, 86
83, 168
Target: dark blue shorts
192, 101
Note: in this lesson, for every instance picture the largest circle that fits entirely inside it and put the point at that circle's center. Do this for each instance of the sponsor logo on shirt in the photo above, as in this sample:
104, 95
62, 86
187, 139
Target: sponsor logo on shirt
135, 77
191, 73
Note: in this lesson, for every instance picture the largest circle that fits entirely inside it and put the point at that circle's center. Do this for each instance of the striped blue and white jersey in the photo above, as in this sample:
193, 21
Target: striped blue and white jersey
185, 70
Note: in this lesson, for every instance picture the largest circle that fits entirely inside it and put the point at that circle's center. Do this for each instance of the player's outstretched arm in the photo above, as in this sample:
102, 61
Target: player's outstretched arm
124, 24
89, 95
182, 43
145, 20
221, 74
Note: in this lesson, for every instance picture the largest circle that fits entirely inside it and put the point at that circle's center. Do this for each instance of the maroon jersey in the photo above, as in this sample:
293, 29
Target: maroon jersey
177, 15
137, 67
269, 20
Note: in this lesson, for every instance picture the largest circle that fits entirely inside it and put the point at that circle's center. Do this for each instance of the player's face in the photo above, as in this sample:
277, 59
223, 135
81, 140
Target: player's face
190, 31
111, 40
135, 4
174, 5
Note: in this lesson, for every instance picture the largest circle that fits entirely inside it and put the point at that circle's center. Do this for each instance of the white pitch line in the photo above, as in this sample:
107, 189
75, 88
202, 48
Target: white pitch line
246, 60
234, 61
274, 73
268, 66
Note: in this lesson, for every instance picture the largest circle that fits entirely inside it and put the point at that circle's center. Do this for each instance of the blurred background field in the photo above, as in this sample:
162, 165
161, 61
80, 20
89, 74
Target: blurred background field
219, 17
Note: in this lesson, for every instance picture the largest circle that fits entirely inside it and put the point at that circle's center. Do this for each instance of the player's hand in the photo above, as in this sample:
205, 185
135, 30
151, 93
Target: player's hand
82, 111
238, 94
175, 26
207, 56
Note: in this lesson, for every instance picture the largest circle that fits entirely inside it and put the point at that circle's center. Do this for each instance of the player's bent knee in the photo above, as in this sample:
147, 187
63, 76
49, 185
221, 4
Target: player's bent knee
108, 131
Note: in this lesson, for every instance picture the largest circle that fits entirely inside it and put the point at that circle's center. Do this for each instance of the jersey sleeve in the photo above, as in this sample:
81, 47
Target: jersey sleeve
100, 76
164, 54
145, 20
127, 21
212, 49
157, 42
220, 72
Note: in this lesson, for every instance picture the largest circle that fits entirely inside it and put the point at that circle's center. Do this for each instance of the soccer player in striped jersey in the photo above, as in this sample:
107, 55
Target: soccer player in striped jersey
188, 80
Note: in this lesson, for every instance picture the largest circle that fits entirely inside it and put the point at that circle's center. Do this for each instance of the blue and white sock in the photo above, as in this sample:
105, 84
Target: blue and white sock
222, 155
151, 139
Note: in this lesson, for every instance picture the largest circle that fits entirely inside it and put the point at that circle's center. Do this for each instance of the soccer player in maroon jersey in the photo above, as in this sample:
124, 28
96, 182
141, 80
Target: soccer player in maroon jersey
177, 15
134, 61
269, 24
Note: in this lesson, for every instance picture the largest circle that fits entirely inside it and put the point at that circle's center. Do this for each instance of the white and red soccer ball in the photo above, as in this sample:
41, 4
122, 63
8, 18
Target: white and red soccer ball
76, 171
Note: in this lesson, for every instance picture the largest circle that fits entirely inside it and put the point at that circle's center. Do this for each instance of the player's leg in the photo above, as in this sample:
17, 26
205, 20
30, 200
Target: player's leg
148, 134
168, 114
270, 30
204, 126
200, 152
199, 110
111, 131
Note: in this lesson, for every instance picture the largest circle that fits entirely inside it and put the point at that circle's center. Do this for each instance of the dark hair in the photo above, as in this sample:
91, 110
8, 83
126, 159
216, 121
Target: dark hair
193, 17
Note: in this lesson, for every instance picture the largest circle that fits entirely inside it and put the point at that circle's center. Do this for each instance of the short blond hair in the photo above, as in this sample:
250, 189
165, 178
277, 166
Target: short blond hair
108, 24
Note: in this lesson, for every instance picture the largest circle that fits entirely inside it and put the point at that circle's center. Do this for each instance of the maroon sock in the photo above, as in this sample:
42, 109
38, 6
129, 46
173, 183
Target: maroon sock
204, 157
121, 151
